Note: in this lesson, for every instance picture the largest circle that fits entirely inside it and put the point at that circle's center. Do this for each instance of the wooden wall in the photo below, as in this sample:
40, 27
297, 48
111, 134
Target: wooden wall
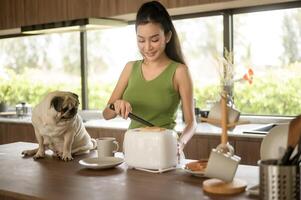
17, 13
11, 13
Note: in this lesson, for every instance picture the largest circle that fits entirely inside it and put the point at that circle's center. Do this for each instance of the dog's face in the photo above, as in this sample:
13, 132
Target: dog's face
66, 106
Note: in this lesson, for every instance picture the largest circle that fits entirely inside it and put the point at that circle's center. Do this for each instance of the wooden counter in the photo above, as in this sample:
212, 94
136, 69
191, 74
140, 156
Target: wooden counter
48, 178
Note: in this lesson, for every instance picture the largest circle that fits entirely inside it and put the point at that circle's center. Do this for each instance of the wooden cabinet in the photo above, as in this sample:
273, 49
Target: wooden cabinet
198, 147
16, 132
17, 13
248, 149
44, 11
11, 13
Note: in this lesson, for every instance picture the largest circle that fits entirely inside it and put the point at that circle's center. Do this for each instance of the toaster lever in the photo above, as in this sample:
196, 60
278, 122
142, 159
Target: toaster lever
134, 117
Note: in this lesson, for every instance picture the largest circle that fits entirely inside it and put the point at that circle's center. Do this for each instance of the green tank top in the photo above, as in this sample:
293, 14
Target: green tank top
156, 100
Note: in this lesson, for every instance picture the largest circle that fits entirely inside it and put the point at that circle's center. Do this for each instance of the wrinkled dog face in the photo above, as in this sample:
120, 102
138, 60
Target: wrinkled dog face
66, 106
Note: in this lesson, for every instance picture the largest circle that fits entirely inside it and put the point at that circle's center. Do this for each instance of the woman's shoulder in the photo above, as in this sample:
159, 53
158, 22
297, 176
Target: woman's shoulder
131, 63
181, 70
180, 66
134, 61
181, 75
129, 67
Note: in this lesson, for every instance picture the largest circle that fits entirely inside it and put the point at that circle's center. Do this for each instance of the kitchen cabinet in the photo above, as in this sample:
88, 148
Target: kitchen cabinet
17, 13
198, 147
11, 13
44, 11
248, 149
16, 132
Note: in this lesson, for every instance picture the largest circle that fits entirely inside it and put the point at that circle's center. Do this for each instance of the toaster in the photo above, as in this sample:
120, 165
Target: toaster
150, 150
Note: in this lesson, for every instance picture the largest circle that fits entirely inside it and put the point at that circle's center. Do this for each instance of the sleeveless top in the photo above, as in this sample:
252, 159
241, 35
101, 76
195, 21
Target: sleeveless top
155, 100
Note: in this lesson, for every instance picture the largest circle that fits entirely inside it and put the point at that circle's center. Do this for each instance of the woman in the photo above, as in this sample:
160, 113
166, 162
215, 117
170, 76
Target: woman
153, 87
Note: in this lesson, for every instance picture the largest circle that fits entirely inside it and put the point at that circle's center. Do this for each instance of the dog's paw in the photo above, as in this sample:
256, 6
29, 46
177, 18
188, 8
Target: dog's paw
66, 157
38, 155
27, 153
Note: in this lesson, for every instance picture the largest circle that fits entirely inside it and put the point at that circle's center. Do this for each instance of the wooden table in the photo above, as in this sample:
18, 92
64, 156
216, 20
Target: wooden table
49, 178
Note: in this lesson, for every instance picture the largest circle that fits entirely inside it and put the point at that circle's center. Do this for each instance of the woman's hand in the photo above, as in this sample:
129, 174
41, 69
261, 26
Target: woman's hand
122, 108
180, 152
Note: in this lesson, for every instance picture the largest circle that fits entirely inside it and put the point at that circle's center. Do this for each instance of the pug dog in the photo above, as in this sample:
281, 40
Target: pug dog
59, 127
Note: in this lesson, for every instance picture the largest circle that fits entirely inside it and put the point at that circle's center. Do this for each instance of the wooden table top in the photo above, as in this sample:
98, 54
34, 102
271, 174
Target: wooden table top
49, 178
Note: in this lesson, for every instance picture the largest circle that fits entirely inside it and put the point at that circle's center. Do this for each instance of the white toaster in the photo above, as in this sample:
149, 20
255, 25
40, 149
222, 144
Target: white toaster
153, 150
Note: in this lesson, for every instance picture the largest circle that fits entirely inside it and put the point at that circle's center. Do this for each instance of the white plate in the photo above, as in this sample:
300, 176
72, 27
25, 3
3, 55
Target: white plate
195, 173
274, 143
103, 163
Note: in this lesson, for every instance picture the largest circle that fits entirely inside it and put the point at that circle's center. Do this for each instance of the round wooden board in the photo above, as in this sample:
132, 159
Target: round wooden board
216, 186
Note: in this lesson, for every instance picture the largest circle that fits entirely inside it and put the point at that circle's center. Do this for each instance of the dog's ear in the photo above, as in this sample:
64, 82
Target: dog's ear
75, 96
57, 103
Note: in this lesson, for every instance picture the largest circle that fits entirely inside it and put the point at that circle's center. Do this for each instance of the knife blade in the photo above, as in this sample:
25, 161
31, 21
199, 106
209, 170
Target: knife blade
135, 117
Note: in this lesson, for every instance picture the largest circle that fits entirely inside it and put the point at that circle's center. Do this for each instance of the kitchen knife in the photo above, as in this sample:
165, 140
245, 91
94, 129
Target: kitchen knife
134, 117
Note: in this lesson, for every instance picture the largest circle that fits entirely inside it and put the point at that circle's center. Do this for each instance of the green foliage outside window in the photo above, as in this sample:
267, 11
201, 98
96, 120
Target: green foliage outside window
251, 103
276, 98
23, 90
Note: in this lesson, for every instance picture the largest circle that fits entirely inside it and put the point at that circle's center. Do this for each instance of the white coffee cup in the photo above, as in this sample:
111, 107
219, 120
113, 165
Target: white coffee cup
107, 146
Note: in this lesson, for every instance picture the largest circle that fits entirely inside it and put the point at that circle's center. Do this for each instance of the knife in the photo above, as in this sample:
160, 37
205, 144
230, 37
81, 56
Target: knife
135, 117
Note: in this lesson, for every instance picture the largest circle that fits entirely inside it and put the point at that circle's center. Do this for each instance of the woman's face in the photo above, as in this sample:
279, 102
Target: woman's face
151, 40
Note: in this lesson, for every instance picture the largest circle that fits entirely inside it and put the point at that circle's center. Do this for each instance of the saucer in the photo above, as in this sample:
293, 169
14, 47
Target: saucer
101, 163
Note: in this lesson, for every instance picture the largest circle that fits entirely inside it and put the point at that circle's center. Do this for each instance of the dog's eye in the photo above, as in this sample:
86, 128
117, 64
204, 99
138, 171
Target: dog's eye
73, 111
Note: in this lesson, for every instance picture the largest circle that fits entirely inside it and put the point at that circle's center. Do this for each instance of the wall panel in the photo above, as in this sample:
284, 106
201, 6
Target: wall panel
17, 13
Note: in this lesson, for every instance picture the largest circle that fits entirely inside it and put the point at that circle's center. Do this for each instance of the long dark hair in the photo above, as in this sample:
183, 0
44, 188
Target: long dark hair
155, 12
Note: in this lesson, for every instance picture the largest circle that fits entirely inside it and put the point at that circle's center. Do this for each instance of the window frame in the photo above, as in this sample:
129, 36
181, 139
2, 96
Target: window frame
227, 34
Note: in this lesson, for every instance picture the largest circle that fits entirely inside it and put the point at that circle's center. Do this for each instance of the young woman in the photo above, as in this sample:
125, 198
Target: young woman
152, 88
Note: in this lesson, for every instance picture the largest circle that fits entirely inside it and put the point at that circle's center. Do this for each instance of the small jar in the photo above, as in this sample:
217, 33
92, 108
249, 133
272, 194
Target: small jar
23, 109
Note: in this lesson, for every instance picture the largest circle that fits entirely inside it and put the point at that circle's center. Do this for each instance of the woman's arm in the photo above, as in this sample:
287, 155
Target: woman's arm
121, 107
183, 84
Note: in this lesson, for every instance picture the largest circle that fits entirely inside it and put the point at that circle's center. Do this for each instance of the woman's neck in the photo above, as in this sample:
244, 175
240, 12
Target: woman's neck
160, 62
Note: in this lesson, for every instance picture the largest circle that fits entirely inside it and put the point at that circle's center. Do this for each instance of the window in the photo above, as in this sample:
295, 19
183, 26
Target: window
202, 40
270, 43
108, 52
32, 66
